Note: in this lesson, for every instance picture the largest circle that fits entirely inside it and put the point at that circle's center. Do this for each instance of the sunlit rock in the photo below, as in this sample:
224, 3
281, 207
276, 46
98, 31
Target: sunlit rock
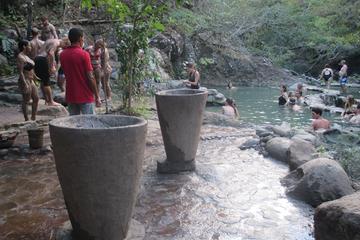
278, 148
339, 219
318, 181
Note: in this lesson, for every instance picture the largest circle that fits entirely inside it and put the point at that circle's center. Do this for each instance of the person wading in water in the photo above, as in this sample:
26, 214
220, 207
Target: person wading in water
194, 76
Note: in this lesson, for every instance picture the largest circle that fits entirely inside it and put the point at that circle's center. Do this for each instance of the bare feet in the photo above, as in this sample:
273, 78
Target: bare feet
55, 104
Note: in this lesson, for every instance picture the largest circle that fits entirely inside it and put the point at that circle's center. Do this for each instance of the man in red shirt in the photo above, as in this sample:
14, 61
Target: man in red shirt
80, 82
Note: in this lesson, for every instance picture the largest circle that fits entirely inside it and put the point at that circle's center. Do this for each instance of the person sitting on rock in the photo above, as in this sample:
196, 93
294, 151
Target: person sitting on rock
194, 76
356, 118
327, 74
230, 108
349, 108
319, 122
283, 99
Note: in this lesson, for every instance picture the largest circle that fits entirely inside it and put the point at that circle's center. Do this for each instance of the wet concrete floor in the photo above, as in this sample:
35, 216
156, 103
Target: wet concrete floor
233, 194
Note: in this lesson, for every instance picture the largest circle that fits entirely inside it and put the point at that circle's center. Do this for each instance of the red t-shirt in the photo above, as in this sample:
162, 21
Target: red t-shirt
76, 63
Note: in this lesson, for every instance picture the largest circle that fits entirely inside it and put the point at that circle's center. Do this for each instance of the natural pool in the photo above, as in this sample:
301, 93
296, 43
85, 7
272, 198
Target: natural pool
259, 105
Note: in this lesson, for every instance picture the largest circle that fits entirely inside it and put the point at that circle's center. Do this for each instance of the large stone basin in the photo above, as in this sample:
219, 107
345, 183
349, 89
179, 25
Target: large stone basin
99, 163
180, 114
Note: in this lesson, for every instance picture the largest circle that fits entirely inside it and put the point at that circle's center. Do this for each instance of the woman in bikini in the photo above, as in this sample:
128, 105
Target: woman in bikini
26, 80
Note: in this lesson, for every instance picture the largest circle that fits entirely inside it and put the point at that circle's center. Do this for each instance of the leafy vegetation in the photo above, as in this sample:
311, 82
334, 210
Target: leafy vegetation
136, 22
280, 29
350, 160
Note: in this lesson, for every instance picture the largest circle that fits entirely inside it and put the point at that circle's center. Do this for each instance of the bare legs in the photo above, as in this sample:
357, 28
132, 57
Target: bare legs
48, 96
106, 85
35, 100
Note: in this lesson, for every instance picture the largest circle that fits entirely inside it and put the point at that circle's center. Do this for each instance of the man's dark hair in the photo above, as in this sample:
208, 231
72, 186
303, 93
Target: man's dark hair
75, 34
22, 44
317, 110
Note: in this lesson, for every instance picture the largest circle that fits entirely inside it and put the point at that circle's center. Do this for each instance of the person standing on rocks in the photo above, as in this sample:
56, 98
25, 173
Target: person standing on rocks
26, 80
95, 57
45, 67
194, 76
343, 74
48, 30
105, 70
319, 122
35, 43
81, 91
327, 74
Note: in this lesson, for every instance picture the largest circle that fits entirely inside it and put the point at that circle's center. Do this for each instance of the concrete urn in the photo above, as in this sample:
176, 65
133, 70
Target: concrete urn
180, 113
99, 164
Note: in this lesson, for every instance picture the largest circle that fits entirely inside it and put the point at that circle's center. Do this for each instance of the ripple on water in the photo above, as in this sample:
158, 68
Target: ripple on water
233, 194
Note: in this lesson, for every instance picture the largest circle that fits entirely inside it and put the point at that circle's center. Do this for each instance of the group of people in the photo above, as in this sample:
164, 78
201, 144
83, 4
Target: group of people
327, 74
78, 71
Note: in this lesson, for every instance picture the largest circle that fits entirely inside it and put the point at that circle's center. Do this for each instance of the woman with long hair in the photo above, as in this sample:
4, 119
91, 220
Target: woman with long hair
26, 80
230, 108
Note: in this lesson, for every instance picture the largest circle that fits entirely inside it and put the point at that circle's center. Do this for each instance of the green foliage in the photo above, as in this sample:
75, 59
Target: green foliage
350, 160
206, 61
137, 21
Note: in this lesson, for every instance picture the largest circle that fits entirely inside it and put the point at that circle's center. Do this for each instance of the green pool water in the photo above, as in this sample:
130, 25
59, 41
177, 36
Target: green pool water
259, 105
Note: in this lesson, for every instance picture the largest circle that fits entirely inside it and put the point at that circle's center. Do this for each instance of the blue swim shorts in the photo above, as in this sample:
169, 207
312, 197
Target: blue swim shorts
343, 80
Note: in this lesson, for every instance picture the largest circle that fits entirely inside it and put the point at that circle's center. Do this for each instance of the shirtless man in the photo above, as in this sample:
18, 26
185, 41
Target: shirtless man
343, 74
36, 44
48, 30
319, 122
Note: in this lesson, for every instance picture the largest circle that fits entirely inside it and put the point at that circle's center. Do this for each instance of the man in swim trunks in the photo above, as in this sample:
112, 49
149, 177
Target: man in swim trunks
36, 44
343, 74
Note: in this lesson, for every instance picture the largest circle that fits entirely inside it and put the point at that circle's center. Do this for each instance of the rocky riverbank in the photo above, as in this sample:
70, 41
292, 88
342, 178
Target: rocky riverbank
235, 192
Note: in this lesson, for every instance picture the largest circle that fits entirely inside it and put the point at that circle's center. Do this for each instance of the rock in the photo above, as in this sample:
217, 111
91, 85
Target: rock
11, 33
219, 119
340, 102
300, 152
302, 135
262, 132
60, 98
3, 152
11, 97
284, 130
215, 98
3, 60
278, 148
52, 111
266, 139
318, 181
339, 219
251, 143
7, 138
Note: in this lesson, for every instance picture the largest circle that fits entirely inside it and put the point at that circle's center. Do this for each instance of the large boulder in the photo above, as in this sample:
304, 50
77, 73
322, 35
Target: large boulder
52, 111
318, 181
339, 219
303, 135
300, 152
283, 130
278, 148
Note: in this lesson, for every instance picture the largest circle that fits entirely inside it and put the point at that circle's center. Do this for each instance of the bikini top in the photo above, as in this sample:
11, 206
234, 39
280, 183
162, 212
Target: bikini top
28, 66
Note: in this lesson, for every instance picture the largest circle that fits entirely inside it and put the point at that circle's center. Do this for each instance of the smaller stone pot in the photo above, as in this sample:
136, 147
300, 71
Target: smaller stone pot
36, 137
180, 113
